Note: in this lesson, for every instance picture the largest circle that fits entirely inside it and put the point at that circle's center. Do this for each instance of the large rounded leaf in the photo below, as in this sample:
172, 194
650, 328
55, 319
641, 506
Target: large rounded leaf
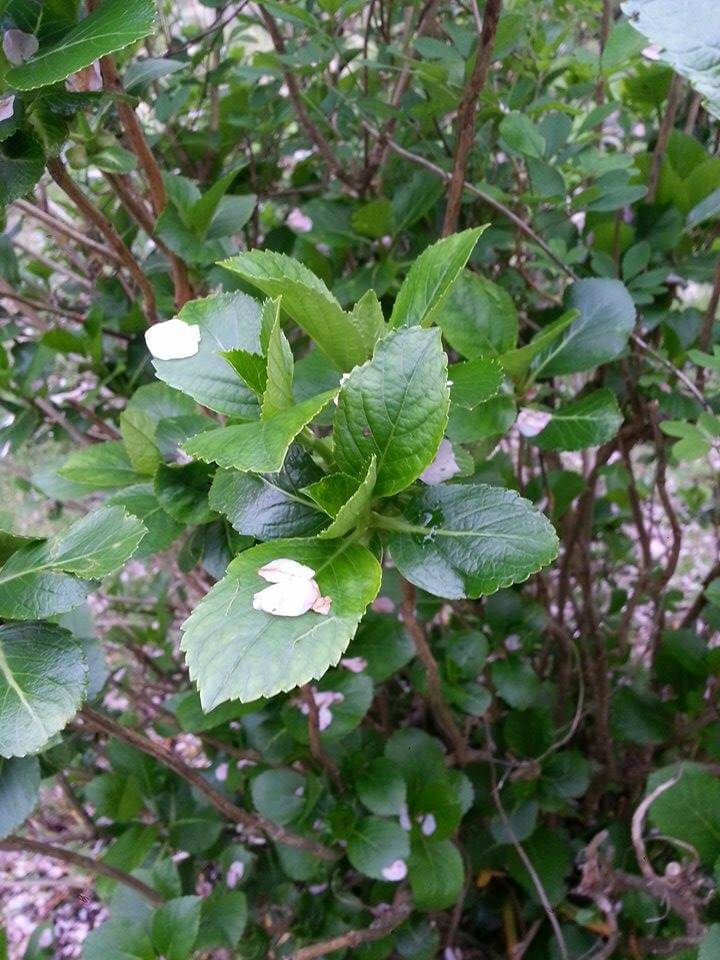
465, 540
19, 785
237, 653
43, 675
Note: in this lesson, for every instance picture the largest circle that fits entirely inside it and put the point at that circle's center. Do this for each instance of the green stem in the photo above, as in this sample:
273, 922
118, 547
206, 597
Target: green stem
319, 446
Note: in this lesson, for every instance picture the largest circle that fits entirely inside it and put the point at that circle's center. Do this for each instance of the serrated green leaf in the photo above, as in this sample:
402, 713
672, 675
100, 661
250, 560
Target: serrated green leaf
431, 279
270, 506
259, 446
236, 652
475, 381
394, 407
587, 422
138, 431
278, 392
307, 301
113, 25
35, 583
465, 540
43, 675
175, 927
517, 362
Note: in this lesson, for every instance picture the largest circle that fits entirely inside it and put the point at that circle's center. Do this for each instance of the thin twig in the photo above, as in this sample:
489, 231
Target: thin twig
383, 924
16, 844
250, 821
466, 115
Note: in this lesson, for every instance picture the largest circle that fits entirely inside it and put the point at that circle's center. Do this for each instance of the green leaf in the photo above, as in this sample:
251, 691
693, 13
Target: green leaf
228, 321
200, 215
182, 491
394, 407
35, 583
223, 919
236, 652
259, 446
382, 789
308, 302
19, 788
368, 318
278, 392
138, 432
113, 25
269, 506
478, 317
460, 540
175, 927
279, 795
141, 501
118, 940
690, 810
100, 467
517, 362
374, 845
43, 675
475, 381
356, 510
332, 491
710, 945
516, 682
431, 279
587, 422
688, 41
521, 135
436, 874
600, 333
22, 163
250, 367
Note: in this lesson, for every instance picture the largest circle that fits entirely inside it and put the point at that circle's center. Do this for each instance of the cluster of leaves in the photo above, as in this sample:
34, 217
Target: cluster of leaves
491, 448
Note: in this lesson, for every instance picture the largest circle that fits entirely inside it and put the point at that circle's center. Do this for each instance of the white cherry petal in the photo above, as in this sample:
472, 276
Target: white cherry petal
322, 605
282, 570
290, 599
397, 870
443, 466
428, 825
7, 107
173, 339
19, 46
532, 422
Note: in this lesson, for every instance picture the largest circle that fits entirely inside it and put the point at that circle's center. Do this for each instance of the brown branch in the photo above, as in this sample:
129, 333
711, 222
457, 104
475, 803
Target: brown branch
383, 924
706, 329
316, 747
98, 219
250, 821
66, 230
17, 844
57, 417
481, 195
466, 115
666, 126
306, 121
442, 711
75, 804
135, 206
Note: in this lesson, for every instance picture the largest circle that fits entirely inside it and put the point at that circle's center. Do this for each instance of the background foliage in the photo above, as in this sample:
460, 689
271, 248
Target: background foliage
454, 269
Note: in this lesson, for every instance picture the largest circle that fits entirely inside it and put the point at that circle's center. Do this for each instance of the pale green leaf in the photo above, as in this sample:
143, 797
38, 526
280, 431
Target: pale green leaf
19, 787
259, 446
